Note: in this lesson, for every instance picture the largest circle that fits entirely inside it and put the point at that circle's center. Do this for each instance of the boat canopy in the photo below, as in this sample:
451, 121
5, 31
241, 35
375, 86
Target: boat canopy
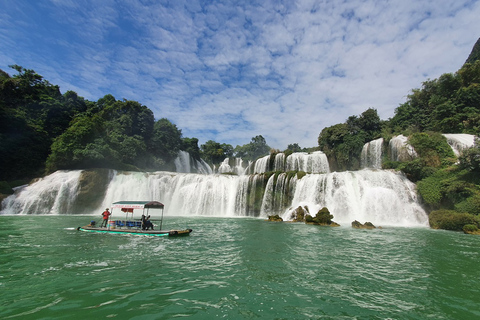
125, 205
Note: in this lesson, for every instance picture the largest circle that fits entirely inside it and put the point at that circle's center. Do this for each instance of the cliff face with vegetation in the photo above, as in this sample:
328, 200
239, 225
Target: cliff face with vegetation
449, 104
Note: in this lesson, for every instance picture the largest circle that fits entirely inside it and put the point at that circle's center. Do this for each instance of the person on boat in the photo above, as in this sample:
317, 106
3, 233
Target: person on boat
105, 215
146, 223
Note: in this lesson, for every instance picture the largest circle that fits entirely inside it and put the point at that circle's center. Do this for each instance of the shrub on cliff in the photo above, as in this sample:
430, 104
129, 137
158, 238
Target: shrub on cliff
451, 220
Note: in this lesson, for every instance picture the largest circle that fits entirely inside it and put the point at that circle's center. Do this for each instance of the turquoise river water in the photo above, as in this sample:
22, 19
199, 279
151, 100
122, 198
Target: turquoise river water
235, 269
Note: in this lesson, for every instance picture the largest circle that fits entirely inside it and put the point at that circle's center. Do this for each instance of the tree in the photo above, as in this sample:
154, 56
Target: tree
166, 141
82, 145
256, 148
32, 113
214, 152
370, 123
294, 147
190, 145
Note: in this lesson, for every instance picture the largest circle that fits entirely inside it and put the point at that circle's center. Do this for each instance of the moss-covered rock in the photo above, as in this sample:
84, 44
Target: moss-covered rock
471, 229
451, 220
322, 218
367, 225
298, 215
275, 218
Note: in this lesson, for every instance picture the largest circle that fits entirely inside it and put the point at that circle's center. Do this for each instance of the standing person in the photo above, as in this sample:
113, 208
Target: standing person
105, 215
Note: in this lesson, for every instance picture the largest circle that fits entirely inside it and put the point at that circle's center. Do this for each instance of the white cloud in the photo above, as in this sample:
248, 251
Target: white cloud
231, 72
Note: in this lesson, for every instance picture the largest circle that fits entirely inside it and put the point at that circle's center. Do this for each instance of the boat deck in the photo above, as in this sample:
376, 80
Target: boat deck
158, 233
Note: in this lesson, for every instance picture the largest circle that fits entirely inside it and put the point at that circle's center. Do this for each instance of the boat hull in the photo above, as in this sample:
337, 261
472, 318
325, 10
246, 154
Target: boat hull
156, 233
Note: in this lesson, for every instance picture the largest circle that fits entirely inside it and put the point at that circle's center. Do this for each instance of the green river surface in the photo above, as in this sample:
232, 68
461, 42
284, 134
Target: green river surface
235, 268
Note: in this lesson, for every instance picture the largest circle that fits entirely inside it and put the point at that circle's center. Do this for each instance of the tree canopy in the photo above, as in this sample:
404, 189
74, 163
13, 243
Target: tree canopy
214, 152
32, 113
251, 151
43, 130
449, 104
343, 142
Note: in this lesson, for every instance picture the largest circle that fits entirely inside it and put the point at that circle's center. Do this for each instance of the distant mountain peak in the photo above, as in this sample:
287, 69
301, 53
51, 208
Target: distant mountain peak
475, 54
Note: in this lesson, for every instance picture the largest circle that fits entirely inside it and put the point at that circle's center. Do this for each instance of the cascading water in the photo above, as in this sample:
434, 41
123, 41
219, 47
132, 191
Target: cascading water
280, 162
315, 162
185, 164
371, 156
381, 197
261, 165
56, 194
237, 168
460, 142
400, 150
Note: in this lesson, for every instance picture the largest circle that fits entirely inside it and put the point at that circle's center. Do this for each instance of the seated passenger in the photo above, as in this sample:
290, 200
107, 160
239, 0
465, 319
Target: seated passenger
146, 223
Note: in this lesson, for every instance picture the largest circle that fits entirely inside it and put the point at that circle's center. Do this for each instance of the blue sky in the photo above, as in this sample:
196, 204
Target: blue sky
230, 70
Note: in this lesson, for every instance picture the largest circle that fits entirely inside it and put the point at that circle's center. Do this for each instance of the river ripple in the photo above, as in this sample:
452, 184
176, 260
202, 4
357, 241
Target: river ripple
235, 269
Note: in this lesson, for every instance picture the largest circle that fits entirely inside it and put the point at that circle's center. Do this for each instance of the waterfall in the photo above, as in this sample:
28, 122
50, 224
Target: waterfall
371, 156
261, 165
53, 194
280, 162
460, 142
225, 167
237, 167
186, 164
400, 150
278, 194
381, 197
315, 162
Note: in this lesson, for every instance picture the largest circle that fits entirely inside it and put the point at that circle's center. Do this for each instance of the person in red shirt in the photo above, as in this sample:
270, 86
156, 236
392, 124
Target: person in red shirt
105, 215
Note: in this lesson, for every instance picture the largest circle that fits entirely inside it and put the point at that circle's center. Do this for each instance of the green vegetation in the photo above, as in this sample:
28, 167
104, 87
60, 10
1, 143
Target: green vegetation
343, 143
214, 152
449, 104
32, 113
475, 54
452, 220
256, 148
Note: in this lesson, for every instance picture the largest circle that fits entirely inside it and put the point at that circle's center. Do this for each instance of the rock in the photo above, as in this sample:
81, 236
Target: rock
356, 224
298, 215
322, 218
275, 218
471, 229
367, 225
92, 188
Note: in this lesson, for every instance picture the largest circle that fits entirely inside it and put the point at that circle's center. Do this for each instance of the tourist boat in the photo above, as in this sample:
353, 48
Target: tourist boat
129, 220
